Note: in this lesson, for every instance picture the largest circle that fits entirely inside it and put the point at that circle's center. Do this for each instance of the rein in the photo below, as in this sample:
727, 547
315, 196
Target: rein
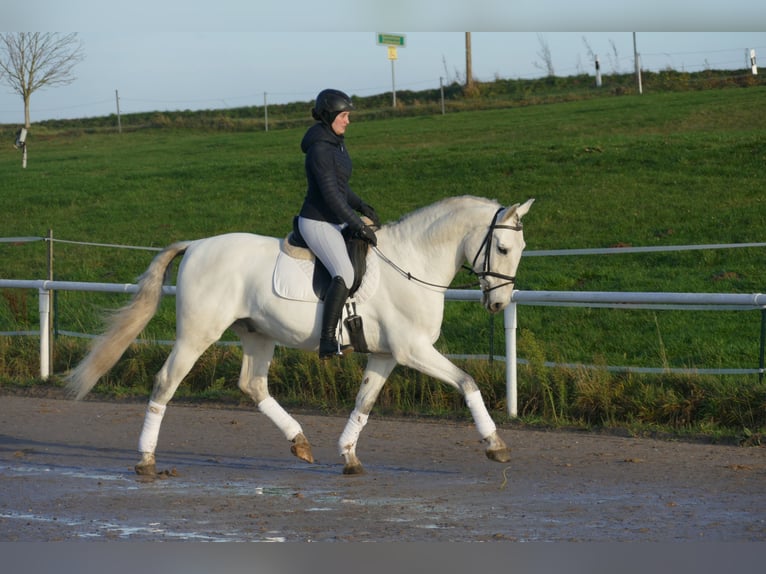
485, 272
411, 277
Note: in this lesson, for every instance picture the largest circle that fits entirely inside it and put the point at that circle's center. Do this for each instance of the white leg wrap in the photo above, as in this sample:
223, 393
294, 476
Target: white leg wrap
151, 430
280, 417
484, 423
350, 435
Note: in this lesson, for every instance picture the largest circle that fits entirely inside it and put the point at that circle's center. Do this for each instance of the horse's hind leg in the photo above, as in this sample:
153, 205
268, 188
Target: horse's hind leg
257, 352
378, 369
176, 367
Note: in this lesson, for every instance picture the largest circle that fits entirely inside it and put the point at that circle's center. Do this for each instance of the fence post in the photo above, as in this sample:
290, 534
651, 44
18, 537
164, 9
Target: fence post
441, 92
51, 306
45, 333
762, 353
510, 360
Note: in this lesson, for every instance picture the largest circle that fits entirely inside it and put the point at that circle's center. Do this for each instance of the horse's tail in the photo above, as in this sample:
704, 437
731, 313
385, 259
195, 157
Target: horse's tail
124, 325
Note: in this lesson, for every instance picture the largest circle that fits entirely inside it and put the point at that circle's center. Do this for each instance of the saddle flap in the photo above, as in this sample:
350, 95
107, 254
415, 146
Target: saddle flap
293, 278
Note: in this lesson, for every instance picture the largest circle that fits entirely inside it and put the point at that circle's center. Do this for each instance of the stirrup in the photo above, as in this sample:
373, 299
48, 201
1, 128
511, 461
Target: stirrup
334, 349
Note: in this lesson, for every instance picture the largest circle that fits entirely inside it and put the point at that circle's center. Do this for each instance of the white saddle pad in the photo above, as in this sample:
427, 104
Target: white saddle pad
293, 279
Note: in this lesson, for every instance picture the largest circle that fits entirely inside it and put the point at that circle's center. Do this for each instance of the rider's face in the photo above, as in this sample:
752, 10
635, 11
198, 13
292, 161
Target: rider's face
340, 122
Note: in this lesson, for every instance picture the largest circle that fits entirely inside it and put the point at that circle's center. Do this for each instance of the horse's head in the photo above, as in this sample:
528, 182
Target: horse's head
498, 256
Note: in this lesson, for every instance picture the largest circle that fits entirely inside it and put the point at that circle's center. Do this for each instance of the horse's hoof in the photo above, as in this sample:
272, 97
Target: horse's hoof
302, 449
353, 469
145, 469
499, 455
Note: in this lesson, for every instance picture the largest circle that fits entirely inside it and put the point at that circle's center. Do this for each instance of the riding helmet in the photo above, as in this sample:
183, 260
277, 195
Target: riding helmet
329, 104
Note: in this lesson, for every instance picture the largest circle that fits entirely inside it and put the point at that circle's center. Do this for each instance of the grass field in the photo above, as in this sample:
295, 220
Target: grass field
658, 169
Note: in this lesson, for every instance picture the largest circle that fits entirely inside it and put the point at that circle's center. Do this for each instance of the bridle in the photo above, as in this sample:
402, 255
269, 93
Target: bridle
486, 270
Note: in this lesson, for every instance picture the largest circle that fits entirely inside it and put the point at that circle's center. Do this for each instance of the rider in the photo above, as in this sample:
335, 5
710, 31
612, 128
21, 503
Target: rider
330, 206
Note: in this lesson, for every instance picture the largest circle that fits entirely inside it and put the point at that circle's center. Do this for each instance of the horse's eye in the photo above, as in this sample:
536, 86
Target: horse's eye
502, 250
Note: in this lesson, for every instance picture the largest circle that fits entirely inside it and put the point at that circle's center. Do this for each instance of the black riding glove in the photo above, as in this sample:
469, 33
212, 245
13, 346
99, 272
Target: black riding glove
369, 212
367, 234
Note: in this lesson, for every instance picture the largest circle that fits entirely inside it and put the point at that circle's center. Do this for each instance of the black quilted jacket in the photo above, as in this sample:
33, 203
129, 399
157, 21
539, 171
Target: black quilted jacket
328, 169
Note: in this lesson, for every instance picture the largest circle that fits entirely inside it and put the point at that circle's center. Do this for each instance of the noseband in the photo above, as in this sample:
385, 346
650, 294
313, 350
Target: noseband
486, 270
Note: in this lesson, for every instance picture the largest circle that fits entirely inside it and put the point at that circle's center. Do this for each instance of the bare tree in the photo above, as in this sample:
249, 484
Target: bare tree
591, 53
33, 60
545, 54
446, 70
614, 58
458, 76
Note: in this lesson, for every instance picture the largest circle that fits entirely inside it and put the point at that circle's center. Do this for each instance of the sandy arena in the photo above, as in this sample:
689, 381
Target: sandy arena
66, 473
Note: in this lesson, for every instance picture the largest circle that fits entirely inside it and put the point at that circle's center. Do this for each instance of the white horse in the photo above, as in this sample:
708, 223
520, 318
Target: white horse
227, 281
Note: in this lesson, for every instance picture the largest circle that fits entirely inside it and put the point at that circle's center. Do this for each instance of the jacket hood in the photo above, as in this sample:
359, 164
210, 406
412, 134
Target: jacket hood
320, 132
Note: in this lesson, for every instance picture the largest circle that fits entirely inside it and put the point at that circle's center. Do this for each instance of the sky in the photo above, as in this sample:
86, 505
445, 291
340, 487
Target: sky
178, 55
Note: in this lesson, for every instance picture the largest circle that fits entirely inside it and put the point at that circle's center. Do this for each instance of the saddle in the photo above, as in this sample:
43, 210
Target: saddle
295, 246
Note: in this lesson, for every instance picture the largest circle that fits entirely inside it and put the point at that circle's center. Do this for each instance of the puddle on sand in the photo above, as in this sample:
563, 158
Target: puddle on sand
88, 527
97, 529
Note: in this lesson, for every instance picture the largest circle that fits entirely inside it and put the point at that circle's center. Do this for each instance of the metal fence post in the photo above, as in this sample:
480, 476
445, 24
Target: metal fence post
762, 350
510, 360
45, 333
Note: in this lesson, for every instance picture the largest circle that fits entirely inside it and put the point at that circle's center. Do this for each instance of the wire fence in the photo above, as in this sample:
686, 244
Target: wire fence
614, 300
280, 109
634, 299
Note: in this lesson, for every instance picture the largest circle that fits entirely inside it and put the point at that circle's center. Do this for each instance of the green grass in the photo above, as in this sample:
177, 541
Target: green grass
659, 169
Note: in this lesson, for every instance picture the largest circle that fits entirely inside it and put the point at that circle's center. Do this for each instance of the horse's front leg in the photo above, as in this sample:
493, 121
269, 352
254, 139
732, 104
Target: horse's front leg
496, 448
378, 369
429, 361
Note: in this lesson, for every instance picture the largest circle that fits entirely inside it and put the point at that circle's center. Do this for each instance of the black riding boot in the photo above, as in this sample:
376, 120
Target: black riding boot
334, 300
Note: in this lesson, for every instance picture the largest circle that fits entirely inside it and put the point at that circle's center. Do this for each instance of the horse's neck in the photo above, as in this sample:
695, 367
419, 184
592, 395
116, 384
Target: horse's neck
436, 242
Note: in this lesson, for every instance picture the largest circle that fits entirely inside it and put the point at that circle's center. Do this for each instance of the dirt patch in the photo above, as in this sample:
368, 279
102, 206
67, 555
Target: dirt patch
66, 473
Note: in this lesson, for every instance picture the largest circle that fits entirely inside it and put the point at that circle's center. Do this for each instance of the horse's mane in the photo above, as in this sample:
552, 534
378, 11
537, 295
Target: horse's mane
424, 219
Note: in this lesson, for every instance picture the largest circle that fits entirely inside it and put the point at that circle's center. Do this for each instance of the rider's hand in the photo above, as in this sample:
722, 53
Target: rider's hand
368, 235
369, 212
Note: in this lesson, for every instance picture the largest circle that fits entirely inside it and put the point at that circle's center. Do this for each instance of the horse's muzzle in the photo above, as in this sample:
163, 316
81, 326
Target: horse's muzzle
492, 306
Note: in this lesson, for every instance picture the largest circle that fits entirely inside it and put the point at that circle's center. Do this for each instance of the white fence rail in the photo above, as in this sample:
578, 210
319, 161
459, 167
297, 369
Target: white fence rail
626, 300
620, 300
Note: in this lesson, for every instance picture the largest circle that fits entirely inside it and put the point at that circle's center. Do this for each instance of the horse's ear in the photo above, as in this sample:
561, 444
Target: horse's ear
520, 210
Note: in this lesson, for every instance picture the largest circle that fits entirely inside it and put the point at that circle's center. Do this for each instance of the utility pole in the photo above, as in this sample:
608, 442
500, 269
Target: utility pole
119, 120
637, 58
468, 65
265, 111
